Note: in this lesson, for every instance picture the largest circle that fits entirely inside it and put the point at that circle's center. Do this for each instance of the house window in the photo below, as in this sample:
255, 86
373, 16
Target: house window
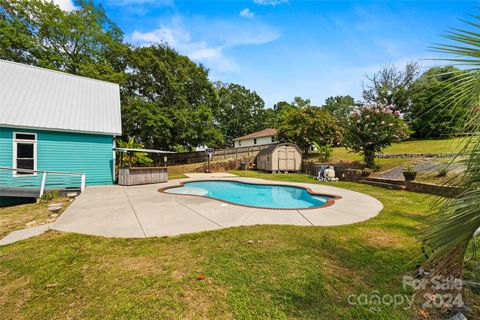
239, 143
254, 141
273, 139
24, 153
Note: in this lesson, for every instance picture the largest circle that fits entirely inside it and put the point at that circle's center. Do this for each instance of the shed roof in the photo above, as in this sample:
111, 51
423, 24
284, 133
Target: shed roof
263, 133
37, 98
271, 148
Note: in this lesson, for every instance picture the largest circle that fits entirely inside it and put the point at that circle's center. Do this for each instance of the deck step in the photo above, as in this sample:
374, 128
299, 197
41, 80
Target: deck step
385, 185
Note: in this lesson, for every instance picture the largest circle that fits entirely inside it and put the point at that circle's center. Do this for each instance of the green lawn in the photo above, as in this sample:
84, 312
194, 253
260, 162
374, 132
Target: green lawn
289, 272
343, 156
416, 146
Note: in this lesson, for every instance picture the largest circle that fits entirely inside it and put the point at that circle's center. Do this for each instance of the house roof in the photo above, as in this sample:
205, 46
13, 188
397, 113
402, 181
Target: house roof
263, 133
37, 98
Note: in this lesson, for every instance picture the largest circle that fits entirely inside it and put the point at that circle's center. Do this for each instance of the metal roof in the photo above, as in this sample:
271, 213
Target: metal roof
37, 98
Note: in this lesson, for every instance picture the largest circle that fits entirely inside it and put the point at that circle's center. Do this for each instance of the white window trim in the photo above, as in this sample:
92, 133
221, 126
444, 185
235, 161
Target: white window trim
14, 156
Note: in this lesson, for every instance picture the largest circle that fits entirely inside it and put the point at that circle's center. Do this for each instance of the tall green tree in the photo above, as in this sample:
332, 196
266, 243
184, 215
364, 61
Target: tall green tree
340, 107
428, 90
304, 126
83, 42
168, 101
240, 112
390, 86
276, 115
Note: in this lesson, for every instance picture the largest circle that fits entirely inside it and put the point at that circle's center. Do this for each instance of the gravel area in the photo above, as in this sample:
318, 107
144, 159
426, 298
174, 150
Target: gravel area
422, 166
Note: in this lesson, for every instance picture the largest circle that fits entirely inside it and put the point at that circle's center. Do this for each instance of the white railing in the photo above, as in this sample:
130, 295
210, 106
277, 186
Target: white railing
42, 180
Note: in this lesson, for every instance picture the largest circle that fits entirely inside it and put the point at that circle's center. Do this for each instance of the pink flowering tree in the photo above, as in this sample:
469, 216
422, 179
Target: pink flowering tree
373, 127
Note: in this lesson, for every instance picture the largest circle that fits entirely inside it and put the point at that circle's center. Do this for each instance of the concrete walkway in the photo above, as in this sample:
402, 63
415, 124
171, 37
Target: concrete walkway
23, 234
142, 211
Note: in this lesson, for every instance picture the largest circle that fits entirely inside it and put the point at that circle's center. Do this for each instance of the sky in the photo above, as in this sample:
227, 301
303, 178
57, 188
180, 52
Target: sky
287, 48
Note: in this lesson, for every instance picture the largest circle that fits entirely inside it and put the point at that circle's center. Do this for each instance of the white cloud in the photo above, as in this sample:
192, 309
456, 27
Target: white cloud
201, 41
65, 5
180, 39
270, 2
246, 13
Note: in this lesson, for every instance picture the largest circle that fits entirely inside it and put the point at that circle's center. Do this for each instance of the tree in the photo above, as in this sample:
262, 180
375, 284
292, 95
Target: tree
240, 111
390, 86
299, 103
83, 42
340, 107
372, 128
273, 117
168, 101
427, 91
303, 126
127, 160
457, 218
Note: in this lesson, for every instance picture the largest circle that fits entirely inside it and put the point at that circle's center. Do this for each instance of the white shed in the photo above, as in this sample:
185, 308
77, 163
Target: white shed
283, 157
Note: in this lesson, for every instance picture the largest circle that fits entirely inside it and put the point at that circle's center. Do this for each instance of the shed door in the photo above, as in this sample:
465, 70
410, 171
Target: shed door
286, 160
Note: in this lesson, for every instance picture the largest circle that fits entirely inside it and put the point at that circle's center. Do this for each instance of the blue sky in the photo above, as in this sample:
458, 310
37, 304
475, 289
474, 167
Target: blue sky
288, 48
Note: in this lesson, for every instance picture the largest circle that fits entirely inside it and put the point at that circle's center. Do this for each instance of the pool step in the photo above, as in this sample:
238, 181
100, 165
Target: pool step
382, 184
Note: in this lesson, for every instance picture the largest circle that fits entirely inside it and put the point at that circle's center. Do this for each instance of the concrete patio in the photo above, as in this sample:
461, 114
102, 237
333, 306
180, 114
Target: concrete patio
142, 211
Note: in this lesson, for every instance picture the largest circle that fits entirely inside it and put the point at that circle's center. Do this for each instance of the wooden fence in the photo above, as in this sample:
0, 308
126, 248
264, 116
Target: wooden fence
220, 154
135, 176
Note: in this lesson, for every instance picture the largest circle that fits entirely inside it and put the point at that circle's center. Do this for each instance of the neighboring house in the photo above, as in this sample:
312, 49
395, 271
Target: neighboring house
54, 121
201, 147
266, 136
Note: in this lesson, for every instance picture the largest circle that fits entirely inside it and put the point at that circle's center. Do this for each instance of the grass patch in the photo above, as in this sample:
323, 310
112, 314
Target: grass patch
343, 157
16, 217
416, 146
173, 176
289, 272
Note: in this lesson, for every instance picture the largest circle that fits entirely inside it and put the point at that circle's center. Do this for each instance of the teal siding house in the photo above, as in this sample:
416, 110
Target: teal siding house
57, 130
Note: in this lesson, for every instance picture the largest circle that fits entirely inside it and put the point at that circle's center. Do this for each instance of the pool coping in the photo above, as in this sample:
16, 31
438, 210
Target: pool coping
330, 201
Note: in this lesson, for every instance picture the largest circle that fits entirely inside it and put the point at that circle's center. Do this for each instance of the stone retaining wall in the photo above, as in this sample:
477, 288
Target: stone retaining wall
433, 189
415, 155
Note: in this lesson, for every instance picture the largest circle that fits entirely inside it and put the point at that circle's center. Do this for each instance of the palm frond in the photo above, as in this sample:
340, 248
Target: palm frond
458, 218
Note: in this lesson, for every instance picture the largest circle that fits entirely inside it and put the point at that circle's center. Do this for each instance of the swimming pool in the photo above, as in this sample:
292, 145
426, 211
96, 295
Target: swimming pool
254, 195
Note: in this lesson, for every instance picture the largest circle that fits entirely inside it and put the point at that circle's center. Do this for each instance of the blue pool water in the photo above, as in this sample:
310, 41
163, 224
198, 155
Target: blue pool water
265, 196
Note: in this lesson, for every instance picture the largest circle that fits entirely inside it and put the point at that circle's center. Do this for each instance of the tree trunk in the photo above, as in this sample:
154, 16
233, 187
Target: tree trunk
370, 158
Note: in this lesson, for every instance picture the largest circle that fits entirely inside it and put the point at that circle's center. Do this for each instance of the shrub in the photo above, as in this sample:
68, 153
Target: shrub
324, 151
50, 195
442, 172
409, 169
372, 128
